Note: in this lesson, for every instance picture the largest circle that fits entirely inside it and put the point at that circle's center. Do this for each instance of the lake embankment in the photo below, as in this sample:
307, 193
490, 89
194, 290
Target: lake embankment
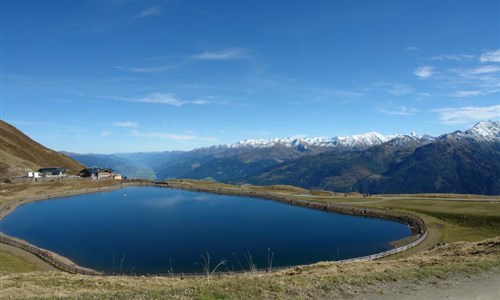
416, 224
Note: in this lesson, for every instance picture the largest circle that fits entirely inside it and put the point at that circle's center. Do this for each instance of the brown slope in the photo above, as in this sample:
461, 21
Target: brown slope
19, 154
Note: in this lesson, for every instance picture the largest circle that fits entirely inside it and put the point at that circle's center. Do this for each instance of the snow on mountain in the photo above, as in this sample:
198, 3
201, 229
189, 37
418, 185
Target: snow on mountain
483, 131
361, 140
411, 139
488, 130
357, 141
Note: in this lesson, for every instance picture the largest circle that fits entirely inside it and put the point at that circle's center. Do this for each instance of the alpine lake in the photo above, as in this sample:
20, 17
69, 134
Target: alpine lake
152, 230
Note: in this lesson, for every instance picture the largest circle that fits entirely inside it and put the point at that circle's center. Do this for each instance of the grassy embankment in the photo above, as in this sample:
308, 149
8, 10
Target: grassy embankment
450, 220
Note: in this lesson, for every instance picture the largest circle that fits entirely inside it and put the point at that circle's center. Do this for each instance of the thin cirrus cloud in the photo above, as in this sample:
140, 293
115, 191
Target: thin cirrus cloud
424, 72
227, 54
461, 94
486, 69
466, 115
395, 89
156, 69
454, 57
170, 136
223, 55
166, 99
105, 133
126, 124
150, 11
490, 56
401, 111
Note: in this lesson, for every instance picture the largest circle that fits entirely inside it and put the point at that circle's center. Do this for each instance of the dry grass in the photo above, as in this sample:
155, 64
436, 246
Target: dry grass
13, 192
447, 221
322, 280
460, 220
19, 153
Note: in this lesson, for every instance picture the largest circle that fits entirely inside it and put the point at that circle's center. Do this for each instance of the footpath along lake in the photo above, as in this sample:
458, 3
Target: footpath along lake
151, 230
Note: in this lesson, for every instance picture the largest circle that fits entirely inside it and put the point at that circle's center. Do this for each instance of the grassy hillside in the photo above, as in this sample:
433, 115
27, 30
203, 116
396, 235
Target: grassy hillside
444, 166
338, 171
20, 154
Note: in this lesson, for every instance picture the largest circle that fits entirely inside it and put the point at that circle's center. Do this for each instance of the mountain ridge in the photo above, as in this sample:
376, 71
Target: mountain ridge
458, 162
20, 154
363, 163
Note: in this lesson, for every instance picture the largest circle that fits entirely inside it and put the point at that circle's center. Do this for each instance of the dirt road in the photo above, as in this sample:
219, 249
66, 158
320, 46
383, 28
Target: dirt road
483, 286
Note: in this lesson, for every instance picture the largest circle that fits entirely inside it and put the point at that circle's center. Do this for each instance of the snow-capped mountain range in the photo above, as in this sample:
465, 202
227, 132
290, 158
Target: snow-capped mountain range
352, 141
483, 131
488, 131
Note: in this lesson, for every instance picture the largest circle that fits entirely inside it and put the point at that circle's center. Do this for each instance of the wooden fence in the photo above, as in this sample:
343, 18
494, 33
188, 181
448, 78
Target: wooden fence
47, 256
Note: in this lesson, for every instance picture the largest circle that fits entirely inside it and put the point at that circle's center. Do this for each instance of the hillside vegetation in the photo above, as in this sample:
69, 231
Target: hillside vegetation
444, 166
20, 154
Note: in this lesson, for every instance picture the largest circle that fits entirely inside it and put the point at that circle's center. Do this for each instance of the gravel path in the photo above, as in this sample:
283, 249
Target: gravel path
483, 286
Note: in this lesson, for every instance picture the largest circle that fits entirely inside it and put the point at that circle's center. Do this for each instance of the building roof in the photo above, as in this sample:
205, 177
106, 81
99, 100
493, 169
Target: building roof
96, 170
54, 169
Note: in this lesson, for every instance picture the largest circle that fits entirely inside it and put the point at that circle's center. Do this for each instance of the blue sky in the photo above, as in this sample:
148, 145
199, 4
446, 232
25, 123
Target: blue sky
109, 76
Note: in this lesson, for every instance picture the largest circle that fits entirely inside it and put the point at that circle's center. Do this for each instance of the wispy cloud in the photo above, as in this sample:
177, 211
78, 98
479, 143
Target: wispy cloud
481, 80
400, 111
112, 4
227, 54
159, 98
395, 89
106, 133
126, 124
150, 11
171, 136
411, 48
462, 94
166, 99
466, 115
490, 56
155, 69
454, 57
486, 69
424, 72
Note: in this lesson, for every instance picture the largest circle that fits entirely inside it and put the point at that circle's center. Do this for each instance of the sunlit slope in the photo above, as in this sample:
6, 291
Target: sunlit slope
19, 154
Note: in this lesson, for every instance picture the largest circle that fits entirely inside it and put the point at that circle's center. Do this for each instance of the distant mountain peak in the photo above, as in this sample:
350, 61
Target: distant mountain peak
356, 141
488, 130
483, 131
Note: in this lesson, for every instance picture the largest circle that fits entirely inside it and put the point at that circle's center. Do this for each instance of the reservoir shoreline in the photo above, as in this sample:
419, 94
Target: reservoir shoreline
415, 223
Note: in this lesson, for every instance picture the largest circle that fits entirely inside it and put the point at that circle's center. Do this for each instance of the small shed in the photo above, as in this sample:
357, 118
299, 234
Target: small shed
32, 174
105, 173
89, 172
52, 172
96, 173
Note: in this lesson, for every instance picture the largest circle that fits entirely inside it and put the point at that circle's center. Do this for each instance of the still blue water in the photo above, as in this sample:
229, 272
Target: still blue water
142, 229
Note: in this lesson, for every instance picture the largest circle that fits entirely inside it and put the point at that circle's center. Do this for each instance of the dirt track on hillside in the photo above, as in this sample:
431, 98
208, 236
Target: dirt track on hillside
484, 286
